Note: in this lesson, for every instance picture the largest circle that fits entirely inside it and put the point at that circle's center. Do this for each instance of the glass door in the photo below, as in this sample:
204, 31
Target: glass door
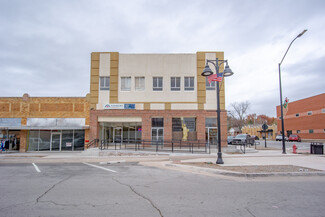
117, 134
211, 135
157, 134
56, 142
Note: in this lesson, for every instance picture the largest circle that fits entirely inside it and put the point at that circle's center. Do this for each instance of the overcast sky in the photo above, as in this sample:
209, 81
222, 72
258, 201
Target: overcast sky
45, 46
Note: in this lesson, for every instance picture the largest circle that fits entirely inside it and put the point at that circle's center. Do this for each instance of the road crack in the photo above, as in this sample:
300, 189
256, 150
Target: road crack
53, 186
249, 211
140, 195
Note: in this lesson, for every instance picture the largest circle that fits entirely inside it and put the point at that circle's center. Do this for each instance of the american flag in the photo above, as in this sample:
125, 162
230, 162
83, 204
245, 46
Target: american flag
215, 77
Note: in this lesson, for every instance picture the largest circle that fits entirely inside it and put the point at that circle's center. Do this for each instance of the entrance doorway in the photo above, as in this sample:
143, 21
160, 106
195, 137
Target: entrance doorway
211, 135
120, 132
157, 134
56, 141
117, 134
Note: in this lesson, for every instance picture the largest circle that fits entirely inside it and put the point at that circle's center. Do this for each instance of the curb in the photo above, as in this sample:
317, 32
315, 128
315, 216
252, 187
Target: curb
248, 175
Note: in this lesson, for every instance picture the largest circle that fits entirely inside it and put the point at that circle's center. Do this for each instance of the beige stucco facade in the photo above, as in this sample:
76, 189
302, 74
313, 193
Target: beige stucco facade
165, 103
116, 66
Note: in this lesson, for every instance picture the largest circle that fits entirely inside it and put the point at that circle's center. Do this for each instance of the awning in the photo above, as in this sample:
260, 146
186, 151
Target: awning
44, 128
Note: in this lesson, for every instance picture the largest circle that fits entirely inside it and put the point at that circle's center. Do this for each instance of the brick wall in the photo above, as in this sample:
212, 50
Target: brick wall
43, 107
296, 118
146, 116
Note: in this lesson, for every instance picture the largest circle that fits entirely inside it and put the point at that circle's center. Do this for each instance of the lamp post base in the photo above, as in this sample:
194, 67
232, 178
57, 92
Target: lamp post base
219, 160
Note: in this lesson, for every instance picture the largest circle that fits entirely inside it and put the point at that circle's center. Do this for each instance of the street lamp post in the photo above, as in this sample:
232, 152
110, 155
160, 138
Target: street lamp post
226, 73
282, 121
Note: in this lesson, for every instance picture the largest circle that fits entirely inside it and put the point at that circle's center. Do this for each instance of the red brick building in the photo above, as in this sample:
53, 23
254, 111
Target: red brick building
305, 117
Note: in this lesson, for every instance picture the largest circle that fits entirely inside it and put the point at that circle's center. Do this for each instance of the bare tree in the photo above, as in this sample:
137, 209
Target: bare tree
238, 113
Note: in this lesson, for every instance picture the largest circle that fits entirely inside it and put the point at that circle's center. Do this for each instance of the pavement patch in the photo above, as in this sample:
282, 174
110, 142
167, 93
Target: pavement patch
250, 171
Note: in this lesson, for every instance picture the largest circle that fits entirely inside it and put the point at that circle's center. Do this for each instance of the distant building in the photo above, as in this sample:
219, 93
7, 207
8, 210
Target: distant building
305, 117
258, 131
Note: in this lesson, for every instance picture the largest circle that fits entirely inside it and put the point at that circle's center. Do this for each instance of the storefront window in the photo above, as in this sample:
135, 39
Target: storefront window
211, 122
79, 140
67, 140
157, 122
44, 140
33, 140
177, 124
190, 124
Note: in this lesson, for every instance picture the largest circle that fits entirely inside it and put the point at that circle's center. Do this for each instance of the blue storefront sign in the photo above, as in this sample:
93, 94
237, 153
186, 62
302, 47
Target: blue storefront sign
119, 106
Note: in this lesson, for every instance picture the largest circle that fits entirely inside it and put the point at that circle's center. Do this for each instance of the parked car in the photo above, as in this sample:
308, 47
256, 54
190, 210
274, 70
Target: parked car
294, 138
243, 139
229, 139
279, 138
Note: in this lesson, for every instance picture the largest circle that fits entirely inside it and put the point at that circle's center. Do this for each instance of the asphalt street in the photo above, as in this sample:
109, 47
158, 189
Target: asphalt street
130, 189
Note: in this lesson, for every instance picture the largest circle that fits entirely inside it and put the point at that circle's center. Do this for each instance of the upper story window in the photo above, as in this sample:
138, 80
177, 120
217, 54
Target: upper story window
297, 115
309, 113
189, 83
323, 110
104, 83
139, 83
211, 86
125, 83
311, 131
157, 83
175, 83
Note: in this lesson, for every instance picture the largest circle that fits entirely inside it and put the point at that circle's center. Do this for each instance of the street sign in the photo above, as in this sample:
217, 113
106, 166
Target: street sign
265, 127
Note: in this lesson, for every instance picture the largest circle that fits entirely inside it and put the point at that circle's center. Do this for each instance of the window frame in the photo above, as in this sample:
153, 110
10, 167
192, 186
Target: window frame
175, 83
188, 82
104, 79
126, 77
211, 86
139, 78
157, 87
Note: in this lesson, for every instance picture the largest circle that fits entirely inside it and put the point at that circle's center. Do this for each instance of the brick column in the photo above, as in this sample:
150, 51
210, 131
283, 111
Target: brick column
168, 131
224, 126
23, 141
146, 126
200, 127
93, 126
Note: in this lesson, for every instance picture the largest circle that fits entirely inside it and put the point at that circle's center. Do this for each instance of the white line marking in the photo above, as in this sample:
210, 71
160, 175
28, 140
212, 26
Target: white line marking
36, 168
103, 168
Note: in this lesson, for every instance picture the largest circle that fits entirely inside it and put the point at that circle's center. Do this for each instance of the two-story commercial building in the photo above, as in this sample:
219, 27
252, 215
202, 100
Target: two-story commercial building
151, 96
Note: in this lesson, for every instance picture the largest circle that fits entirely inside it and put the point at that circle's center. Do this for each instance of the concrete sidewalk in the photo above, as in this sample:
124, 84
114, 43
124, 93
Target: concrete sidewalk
258, 158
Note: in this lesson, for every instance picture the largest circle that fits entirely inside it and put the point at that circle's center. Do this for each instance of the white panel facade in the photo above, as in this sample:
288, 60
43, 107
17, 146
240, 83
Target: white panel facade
186, 106
157, 65
157, 106
104, 64
211, 95
104, 70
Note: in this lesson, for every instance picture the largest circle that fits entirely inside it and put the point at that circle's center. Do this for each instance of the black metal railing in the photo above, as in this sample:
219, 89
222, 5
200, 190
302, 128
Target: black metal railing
92, 143
153, 145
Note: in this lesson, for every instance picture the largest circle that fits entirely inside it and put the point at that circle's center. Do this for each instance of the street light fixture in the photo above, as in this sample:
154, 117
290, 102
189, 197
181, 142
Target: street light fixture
282, 121
226, 73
